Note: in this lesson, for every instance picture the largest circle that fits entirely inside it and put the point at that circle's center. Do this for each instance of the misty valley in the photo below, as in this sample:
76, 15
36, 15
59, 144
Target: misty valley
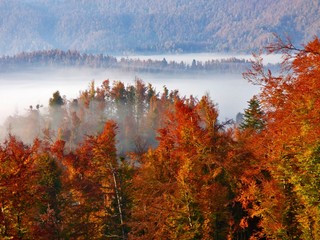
25, 87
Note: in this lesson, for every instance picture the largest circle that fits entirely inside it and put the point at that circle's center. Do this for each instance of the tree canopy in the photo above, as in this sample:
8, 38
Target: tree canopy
126, 162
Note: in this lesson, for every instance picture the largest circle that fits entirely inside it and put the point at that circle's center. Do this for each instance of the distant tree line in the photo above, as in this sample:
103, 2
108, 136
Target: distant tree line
61, 58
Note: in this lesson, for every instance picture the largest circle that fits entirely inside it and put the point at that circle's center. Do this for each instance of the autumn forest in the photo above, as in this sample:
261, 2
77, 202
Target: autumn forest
127, 162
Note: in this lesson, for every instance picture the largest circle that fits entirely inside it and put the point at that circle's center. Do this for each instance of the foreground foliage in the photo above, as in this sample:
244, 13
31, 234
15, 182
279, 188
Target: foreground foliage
165, 168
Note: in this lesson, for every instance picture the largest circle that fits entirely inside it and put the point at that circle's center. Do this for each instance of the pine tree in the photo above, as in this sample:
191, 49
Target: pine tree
253, 116
56, 100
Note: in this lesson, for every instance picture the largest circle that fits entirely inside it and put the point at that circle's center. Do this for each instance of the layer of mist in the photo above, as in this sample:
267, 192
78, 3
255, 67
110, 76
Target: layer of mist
20, 90
25, 95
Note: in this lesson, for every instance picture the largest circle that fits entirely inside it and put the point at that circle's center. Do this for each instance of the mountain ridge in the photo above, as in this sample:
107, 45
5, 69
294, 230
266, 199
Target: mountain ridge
147, 26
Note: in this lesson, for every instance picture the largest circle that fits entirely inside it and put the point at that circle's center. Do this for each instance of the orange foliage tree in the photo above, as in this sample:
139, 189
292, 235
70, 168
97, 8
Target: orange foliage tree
288, 147
185, 188
18, 187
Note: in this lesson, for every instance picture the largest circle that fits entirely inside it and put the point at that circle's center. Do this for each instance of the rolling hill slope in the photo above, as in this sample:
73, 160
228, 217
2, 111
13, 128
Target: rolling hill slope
117, 26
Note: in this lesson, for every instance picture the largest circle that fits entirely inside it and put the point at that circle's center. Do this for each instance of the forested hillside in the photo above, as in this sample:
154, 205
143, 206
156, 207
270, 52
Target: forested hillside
130, 163
115, 26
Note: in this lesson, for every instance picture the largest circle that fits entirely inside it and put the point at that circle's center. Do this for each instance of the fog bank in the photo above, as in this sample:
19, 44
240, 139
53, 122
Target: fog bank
20, 90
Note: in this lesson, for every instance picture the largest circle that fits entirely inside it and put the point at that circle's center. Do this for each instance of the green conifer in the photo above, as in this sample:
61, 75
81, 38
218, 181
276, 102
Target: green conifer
253, 116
